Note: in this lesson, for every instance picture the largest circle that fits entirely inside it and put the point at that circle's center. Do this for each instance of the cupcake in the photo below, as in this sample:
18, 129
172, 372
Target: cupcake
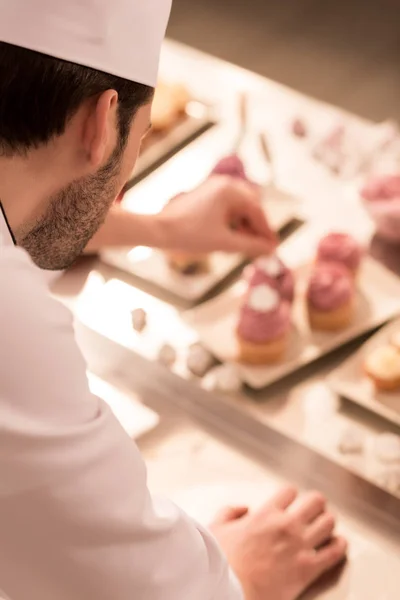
194, 264
340, 248
272, 271
230, 165
382, 366
169, 105
264, 326
330, 297
186, 263
381, 196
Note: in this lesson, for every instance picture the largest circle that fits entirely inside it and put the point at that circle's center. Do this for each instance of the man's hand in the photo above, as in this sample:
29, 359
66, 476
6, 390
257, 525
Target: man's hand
222, 214
280, 550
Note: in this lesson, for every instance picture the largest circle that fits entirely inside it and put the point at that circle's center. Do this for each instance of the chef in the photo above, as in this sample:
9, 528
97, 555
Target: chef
76, 518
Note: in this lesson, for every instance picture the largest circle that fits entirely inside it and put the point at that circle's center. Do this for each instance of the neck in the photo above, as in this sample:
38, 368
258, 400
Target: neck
26, 184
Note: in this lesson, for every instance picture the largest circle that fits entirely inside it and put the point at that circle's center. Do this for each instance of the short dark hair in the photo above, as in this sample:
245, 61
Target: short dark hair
39, 94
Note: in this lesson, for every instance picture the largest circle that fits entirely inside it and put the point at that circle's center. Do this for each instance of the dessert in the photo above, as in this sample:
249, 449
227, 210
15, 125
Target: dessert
186, 263
381, 197
223, 378
167, 355
169, 104
330, 297
139, 319
193, 264
382, 366
230, 165
199, 360
272, 271
340, 248
264, 326
387, 448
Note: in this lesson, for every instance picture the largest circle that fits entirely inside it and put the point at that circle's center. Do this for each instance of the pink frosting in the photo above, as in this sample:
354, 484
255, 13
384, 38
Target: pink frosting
382, 200
330, 287
260, 327
386, 187
341, 248
230, 165
283, 283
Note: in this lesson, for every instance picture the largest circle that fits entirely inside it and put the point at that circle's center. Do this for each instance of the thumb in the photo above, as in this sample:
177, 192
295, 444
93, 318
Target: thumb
230, 513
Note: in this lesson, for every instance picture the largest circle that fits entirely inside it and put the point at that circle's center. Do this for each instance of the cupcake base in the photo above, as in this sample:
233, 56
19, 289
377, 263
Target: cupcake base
333, 320
188, 264
262, 354
383, 385
385, 378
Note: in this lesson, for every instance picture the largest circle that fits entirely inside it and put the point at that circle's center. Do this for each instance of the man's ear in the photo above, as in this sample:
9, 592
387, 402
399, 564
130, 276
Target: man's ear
100, 132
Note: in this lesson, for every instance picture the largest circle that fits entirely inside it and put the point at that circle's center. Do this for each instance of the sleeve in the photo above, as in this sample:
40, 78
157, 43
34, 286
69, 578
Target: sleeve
76, 517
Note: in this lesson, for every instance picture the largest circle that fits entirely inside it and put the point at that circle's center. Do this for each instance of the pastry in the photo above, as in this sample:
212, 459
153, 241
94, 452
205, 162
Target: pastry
382, 366
139, 319
264, 326
381, 197
351, 441
340, 248
272, 271
330, 297
387, 448
169, 103
186, 263
230, 165
167, 355
193, 264
223, 378
199, 360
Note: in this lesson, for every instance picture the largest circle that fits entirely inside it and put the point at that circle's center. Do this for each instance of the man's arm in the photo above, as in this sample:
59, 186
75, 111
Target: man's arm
76, 517
197, 221
125, 229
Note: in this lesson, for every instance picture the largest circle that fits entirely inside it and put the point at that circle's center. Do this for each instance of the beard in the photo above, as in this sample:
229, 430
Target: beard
72, 217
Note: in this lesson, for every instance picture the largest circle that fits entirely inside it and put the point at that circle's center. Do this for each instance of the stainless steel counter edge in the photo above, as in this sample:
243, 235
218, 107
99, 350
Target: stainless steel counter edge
293, 460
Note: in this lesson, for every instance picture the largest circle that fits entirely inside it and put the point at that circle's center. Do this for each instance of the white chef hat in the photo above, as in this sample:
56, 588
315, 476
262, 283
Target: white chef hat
119, 37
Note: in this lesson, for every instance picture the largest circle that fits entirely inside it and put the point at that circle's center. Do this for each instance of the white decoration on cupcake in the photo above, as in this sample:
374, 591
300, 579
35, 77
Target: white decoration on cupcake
270, 265
223, 378
263, 298
387, 448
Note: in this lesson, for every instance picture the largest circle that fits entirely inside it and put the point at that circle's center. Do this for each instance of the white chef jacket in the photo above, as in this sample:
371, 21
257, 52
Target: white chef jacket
77, 521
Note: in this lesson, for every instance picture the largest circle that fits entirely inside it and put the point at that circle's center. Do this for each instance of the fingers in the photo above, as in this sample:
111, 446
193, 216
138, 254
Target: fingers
230, 513
309, 507
320, 531
329, 556
242, 201
282, 500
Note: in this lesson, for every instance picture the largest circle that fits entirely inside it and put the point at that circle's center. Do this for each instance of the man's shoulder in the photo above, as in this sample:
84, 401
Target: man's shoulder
24, 294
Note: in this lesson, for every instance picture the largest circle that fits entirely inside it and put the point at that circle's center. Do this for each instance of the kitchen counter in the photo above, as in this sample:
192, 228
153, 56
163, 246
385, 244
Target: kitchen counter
223, 449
